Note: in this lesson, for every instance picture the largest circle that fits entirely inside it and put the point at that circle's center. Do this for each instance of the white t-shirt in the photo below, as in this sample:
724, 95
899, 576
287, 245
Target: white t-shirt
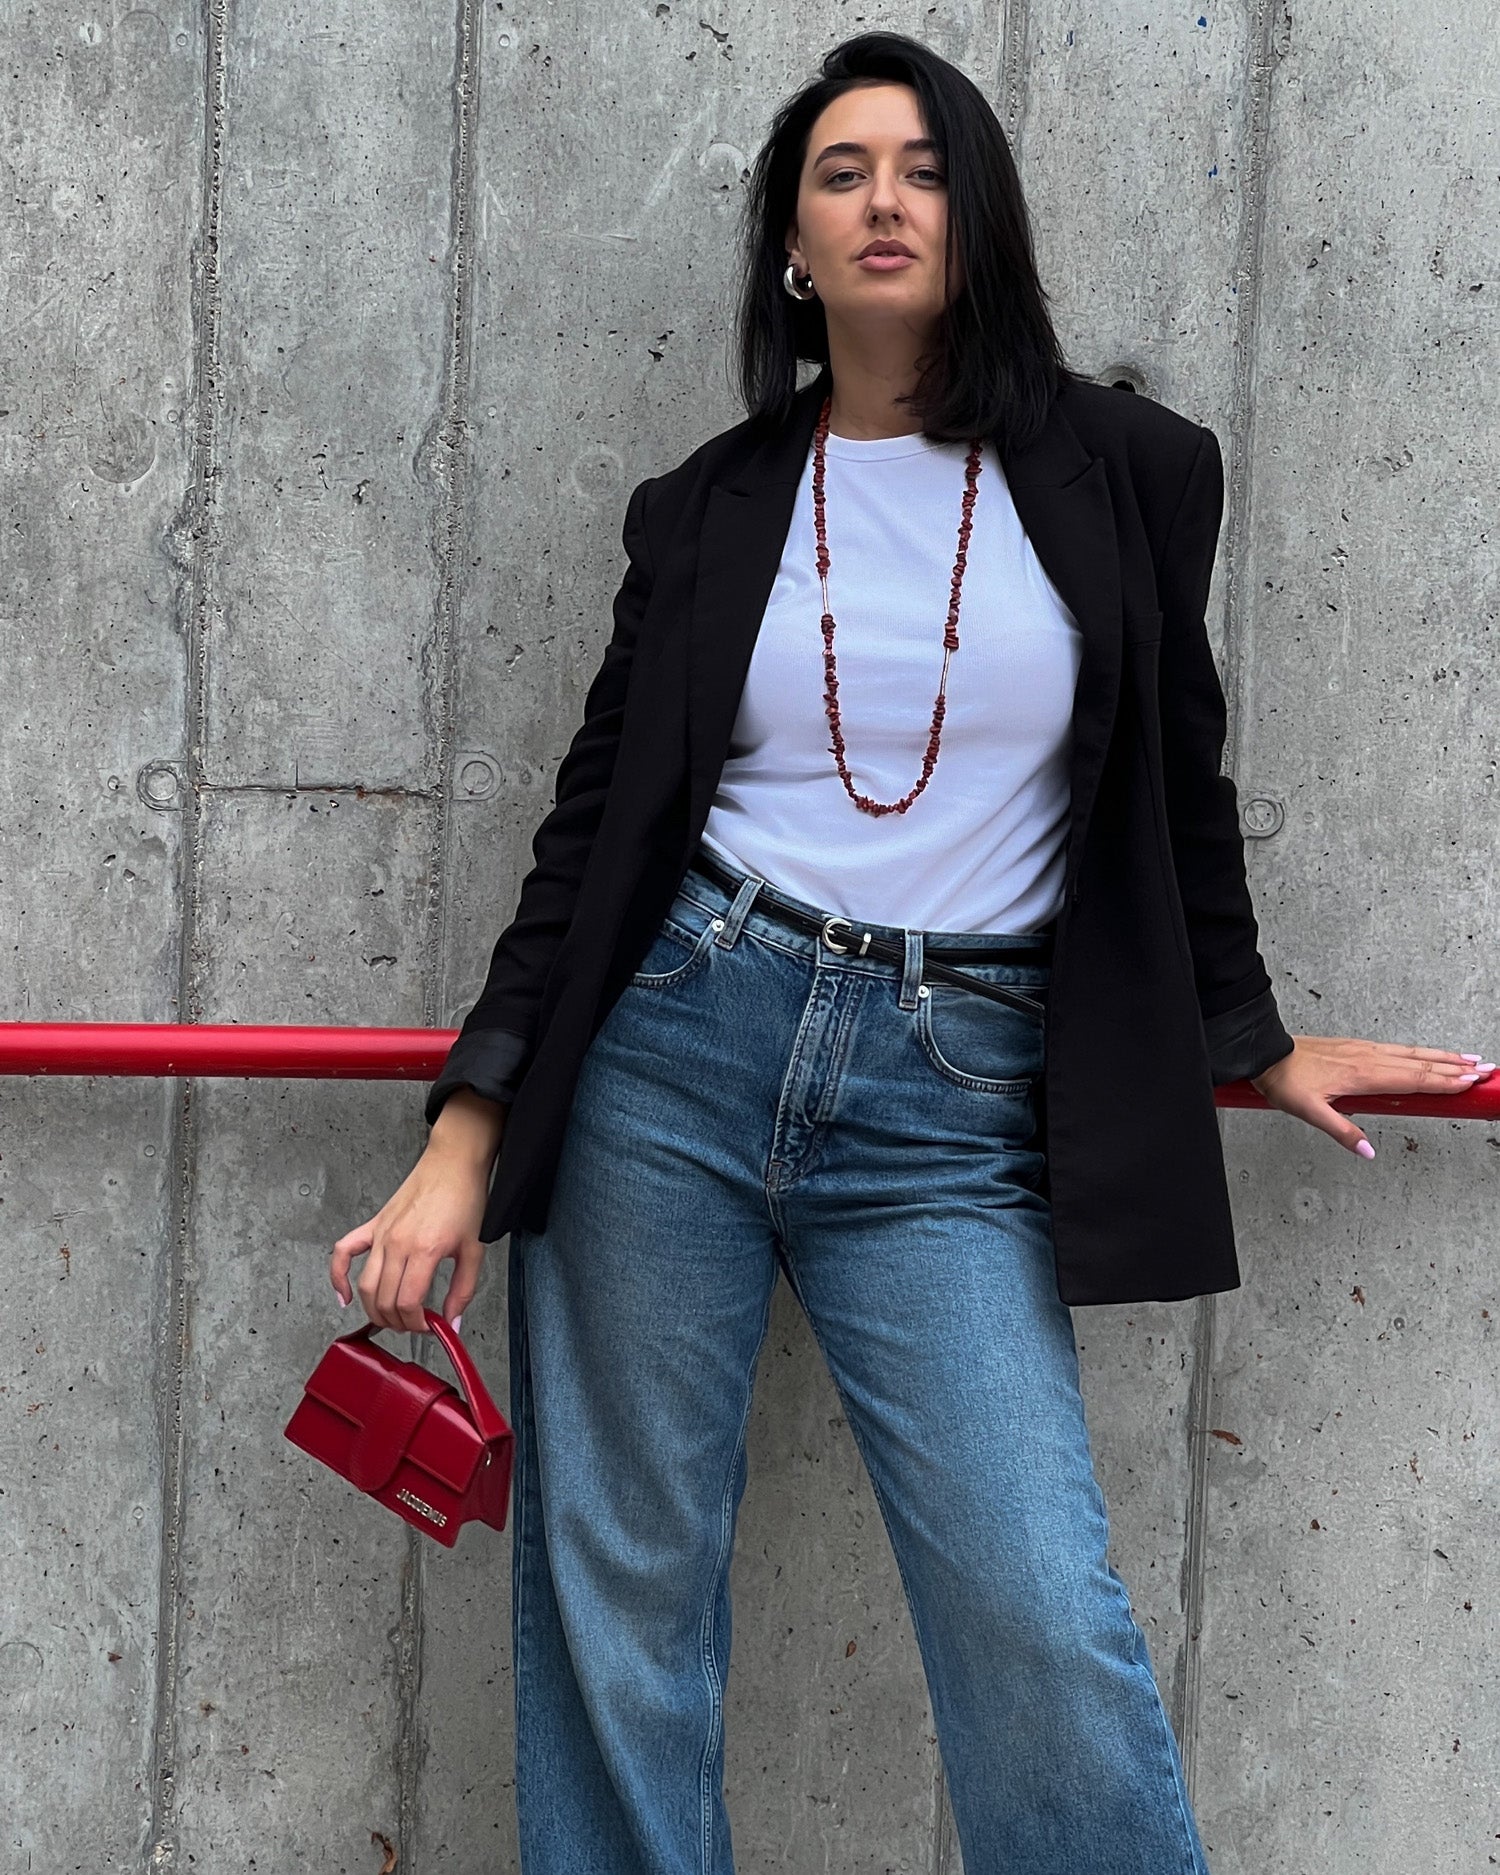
981, 848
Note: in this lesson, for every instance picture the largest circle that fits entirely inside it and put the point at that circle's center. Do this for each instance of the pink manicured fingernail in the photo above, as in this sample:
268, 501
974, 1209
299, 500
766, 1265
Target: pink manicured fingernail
1469, 1057
456, 1320
1365, 1149
1485, 1067
343, 1302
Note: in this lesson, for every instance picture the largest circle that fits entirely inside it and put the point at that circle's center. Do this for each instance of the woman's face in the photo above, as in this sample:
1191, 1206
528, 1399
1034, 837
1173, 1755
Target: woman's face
847, 198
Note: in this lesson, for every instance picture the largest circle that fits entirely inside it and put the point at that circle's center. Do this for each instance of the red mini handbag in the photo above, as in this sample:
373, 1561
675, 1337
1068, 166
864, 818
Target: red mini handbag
407, 1437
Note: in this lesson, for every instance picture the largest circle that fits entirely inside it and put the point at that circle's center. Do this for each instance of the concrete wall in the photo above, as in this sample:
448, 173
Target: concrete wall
334, 338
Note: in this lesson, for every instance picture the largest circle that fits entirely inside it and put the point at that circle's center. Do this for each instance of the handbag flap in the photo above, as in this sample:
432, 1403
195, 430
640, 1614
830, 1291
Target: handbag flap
391, 1419
447, 1445
391, 1405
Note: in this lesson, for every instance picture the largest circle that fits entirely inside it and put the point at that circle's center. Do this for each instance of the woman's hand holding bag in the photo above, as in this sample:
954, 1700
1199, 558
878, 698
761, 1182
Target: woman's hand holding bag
434, 1214
435, 1454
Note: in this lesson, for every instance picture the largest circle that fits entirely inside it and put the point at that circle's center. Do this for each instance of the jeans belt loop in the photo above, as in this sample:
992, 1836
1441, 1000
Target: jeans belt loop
911, 974
739, 911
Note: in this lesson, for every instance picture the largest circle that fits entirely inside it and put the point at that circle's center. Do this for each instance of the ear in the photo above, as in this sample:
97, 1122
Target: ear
789, 242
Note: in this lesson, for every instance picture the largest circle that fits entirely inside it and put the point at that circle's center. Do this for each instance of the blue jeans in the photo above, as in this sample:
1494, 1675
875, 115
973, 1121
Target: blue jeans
755, 1102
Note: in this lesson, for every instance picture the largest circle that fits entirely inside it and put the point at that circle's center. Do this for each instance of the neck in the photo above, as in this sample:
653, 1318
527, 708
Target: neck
870, 370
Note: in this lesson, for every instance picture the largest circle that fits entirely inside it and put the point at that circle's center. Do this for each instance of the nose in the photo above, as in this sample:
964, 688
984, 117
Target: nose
885, 202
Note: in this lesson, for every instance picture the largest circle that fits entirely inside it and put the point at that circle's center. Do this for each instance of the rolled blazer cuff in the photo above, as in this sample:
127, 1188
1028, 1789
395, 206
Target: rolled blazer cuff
491, 1061
1246, 1040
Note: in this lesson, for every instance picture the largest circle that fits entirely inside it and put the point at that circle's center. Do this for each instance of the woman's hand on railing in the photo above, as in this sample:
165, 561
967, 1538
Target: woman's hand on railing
1322, 1068
435, 1213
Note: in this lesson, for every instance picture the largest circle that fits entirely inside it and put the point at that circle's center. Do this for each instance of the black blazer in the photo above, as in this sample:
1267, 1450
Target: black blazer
1158, 988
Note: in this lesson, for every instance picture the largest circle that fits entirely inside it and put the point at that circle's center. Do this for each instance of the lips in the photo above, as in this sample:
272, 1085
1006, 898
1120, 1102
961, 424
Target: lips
885, 247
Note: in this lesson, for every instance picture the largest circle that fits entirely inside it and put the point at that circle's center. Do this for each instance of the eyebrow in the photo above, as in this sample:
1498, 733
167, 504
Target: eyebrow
860, 149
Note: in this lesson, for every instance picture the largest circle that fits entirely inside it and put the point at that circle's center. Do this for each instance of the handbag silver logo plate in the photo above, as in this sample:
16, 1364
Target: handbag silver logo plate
410, 1497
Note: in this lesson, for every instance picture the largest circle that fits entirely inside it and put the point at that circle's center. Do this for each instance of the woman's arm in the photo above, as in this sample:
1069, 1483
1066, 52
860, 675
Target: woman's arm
1240, 1018
494, 1045
1246, 1038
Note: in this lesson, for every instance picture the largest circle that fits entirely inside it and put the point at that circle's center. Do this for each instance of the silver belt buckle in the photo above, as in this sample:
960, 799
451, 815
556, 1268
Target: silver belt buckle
842, 949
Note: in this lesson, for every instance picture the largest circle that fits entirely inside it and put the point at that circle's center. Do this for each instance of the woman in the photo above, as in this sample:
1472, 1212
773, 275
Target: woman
890, 929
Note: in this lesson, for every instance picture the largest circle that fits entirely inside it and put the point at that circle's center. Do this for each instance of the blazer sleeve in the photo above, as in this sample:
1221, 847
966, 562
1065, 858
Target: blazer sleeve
1241, 1022
494, 1046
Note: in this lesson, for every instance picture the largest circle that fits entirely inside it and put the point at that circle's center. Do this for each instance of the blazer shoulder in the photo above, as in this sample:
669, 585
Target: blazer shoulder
669, 485
1154, 443
1152, 451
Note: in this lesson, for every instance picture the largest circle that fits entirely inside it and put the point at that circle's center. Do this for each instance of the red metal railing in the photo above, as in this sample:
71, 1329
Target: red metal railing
289, 1052
244, 1050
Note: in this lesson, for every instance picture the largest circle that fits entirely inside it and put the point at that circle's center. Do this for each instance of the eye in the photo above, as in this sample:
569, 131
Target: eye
925, 169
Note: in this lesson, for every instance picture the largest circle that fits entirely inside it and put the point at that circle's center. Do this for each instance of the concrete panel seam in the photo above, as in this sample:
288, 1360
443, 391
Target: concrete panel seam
189, 549
1248, 270
448, 452
444, 461
1262, 47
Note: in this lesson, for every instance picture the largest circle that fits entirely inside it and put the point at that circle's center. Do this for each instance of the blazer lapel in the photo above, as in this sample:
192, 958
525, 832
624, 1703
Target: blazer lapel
1062, 497
747, 516
1061, 494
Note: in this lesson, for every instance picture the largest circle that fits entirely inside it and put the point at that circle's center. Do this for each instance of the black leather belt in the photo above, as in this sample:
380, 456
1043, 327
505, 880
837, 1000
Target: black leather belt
840, 934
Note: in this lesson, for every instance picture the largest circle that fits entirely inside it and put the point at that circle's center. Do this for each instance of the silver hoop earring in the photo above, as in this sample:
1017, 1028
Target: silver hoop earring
789, 281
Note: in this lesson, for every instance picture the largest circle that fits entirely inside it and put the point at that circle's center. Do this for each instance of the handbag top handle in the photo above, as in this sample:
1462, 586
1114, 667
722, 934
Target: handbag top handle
487, 1416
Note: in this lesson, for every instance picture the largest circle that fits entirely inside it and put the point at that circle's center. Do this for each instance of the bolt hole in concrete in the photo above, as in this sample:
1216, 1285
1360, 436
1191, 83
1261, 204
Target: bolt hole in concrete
1122, 377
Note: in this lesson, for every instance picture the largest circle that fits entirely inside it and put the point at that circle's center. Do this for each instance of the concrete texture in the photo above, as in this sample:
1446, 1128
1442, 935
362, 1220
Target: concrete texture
334, 339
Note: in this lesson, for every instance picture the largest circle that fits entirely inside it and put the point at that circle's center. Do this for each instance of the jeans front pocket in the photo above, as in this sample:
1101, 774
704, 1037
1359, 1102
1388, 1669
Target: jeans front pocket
978, 1043
680, 948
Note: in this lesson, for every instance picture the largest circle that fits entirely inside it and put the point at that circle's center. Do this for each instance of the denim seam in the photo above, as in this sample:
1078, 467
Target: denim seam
716, 1583
690, 965
843, 1042
793, 1070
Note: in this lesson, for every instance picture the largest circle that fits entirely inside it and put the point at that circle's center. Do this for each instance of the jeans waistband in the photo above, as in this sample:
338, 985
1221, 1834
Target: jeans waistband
919, 957
1027, 947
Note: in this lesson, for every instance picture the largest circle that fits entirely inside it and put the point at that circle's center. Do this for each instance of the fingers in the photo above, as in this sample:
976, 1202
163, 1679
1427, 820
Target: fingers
402, 1286
1413, 1077
352, 1244
1340, 1127
1394, 1068
395, 1294
465, 1280
1425, 1054
1337, 1125
1440, 1077
435, 1214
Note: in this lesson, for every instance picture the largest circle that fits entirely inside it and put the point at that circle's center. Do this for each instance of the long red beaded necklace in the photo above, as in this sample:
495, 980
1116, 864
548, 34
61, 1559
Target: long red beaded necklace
950, 632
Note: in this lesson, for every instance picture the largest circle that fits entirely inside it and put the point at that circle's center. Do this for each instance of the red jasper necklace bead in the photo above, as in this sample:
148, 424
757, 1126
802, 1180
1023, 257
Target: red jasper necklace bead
950, 631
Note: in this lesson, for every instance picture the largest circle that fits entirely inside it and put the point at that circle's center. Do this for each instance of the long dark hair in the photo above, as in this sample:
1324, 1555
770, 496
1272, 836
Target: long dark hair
996, 362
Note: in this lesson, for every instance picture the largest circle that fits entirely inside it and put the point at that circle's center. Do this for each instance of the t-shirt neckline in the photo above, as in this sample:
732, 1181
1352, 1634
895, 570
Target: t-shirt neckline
880, 448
